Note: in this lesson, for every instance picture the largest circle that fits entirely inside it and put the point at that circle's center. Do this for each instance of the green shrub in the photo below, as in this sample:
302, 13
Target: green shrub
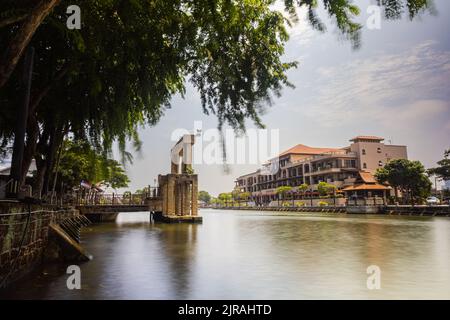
323, 203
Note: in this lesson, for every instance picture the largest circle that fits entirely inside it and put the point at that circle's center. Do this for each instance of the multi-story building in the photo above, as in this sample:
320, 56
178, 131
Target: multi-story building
446, 185
307, 165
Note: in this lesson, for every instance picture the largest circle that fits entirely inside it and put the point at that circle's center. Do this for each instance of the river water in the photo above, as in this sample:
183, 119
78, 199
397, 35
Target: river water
254, 255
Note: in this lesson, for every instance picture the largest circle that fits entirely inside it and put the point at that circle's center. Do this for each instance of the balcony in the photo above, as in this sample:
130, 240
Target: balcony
337, 154
349, 181
326, 170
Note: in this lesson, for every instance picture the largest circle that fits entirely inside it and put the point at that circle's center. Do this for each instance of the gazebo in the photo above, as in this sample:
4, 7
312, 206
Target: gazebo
366, 191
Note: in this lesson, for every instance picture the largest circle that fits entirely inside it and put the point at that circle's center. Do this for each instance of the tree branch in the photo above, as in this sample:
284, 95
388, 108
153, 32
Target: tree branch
42, 93
11, 20
17, 46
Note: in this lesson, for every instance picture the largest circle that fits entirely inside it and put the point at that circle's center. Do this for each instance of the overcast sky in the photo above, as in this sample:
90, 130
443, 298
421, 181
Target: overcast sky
396, 86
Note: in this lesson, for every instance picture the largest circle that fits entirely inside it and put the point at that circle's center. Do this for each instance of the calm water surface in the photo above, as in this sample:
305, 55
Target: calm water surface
251, 255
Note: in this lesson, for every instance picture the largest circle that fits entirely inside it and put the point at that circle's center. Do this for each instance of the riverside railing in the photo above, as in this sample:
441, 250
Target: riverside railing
125, 199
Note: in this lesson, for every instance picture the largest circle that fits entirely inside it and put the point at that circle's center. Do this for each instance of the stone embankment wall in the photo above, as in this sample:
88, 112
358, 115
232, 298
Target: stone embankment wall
433, 211
24, 234
337, 209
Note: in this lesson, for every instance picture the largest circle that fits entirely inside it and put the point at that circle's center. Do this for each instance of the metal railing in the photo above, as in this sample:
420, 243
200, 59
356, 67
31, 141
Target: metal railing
4, 185
125, 199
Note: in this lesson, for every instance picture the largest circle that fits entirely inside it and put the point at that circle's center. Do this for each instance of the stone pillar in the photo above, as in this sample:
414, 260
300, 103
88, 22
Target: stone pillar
186, 198
177, 199
194, 195
173, 168
170, 197
162, 182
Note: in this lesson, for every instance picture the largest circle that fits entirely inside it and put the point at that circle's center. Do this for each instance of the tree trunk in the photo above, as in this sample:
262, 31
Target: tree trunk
32, 124
56, 139
17, 45
30, 147
40, 156
42, 167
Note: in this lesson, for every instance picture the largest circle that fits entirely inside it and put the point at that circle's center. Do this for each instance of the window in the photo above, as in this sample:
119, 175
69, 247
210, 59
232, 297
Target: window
365, 165
380, 163
363, 151
379, 150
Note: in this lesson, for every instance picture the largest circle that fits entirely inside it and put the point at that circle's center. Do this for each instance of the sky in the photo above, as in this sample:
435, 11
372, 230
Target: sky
395, 86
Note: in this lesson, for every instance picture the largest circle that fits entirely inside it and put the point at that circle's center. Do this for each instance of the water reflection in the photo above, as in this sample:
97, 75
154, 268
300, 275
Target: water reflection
250, 255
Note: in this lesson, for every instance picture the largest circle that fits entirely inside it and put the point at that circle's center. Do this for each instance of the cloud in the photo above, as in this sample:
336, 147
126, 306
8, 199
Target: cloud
301, 33
421, 113
411, 84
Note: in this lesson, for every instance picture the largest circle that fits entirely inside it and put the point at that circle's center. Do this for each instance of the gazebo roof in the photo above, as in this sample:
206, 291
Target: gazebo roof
367, 177
366, 186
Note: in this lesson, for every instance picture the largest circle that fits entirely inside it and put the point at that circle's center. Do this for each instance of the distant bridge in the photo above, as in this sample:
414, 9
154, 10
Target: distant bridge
175, 200
109, 205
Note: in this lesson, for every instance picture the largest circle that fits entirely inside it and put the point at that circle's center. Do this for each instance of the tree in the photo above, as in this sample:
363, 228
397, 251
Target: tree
113, 174
33, 13
236, 194
101, 88
282, 191
204, 196
225, 197
244, 195
442, 171
406, 176
302, 189
23, 35
325, 188
216, 201
79, 161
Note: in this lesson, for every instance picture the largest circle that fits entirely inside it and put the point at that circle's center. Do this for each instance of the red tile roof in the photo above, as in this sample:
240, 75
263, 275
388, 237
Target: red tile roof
302, 149
367, 138
365, 186
367, 177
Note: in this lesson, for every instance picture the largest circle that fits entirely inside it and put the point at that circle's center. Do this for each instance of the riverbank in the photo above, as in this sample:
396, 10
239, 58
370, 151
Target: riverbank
430, 211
